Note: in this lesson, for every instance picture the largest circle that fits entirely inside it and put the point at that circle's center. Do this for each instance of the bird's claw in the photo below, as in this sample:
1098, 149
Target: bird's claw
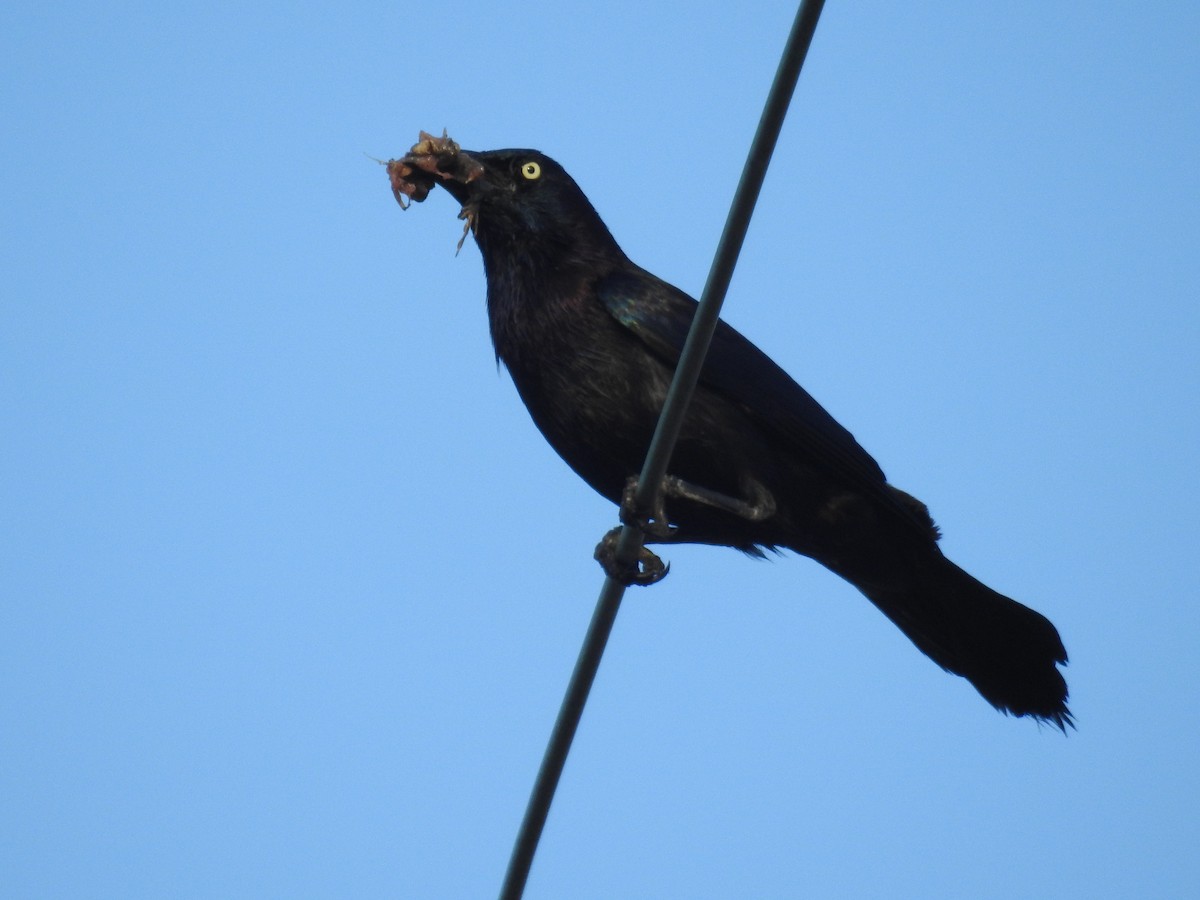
654, 523
645, 570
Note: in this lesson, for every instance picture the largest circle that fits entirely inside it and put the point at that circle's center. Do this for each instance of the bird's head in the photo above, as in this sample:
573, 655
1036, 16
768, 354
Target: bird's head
525, 199
511, 199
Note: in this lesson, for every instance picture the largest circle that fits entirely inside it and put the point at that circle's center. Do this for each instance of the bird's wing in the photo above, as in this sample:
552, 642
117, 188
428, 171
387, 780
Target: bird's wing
660, 315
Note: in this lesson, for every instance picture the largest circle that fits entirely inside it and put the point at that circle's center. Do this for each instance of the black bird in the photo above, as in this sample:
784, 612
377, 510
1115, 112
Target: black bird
591, 341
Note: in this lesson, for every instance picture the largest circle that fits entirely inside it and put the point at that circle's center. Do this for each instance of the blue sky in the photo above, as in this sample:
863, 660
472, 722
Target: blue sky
290, 586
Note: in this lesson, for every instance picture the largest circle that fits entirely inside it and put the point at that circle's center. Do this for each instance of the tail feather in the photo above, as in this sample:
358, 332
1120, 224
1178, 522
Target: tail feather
1009, 652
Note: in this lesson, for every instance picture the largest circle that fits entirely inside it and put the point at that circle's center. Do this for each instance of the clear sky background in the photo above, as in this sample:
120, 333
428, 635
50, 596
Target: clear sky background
291, 587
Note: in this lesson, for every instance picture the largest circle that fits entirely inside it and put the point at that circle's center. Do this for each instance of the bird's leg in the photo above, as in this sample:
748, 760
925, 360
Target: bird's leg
761, 505
647, 568
655, 525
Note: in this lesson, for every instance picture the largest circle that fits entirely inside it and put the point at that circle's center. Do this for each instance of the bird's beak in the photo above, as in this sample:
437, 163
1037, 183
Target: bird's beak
433, 160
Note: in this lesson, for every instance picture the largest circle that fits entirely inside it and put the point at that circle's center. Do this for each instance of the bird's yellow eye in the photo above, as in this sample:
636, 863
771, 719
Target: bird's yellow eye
531, 170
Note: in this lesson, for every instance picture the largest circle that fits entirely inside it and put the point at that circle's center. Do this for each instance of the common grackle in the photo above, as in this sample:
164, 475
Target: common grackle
591, 341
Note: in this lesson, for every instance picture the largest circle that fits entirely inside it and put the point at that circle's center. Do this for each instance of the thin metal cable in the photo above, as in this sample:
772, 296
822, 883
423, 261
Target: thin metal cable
687, 372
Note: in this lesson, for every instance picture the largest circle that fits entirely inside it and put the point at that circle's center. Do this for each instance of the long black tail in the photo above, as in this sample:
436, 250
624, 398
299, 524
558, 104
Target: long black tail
1007, 651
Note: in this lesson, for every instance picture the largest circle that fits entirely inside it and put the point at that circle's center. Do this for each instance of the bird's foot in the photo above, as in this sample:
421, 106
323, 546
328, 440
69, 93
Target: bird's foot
646, 569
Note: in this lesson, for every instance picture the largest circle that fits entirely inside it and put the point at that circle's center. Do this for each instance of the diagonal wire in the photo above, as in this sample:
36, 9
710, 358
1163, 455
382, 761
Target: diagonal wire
687, 372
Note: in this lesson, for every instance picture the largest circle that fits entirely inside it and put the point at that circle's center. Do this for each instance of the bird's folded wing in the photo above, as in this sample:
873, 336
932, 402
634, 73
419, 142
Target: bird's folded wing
660, 315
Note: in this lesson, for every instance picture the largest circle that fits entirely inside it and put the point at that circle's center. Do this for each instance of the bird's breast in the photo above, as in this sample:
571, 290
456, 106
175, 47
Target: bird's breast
591, 389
